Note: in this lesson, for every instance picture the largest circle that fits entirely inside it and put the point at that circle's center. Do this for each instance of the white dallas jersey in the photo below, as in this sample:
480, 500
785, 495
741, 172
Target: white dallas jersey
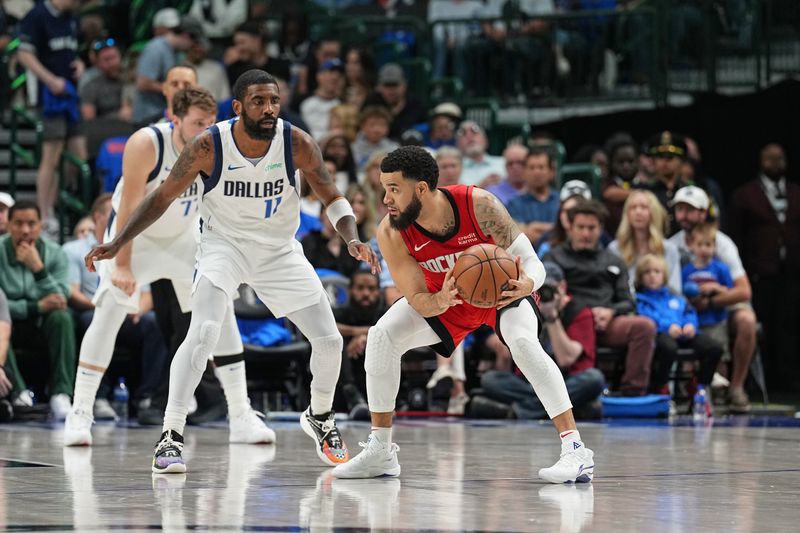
259, 203
181, 215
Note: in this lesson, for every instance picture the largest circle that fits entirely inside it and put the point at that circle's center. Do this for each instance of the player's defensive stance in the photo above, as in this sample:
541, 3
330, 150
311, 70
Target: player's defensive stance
425, 230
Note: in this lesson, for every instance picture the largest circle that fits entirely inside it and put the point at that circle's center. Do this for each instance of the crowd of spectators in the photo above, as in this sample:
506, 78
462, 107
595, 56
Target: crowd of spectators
637, 262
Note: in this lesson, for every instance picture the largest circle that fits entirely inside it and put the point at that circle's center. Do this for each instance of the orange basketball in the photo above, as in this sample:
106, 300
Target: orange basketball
481, 273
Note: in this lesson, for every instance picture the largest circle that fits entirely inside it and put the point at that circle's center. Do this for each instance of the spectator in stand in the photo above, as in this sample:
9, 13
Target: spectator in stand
359, 73
157, 58
178, 77
676, 323
392, 93
325, 249
442, 125
764, 222
514, 183
34, 276
219, 18
641, 233
623, 156
571, 193
316, 109
336, 148
691, 208
536, 210
450, 38
48, 48
450, 164
570, 339
363, 207
326, 49
8, 367
598, 279
83, 228
292, 45
693, 172
287, 111
595, 155
372, 180
344, 119
6, 203
363, 309
373, 128
211, 74
102, 96
139, 332
480, 168
249, 51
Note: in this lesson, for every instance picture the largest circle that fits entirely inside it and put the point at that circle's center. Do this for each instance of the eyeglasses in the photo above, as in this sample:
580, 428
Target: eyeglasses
472, 128
107, 43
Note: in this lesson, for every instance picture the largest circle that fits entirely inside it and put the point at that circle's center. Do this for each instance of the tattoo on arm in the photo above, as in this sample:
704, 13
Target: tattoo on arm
494, 220
197, 151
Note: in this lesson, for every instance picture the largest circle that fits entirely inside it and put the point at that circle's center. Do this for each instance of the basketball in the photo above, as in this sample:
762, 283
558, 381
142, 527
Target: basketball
481, 273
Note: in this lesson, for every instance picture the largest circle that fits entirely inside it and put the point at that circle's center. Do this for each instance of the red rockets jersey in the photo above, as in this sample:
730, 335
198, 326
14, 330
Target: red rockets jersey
436, 255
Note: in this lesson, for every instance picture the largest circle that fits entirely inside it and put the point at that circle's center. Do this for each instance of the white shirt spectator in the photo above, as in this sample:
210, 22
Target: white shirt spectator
727, 252
219, 17
476, 171
316, 111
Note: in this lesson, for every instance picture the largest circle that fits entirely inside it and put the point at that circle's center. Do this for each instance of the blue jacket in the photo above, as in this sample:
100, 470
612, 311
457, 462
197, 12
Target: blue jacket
665, 308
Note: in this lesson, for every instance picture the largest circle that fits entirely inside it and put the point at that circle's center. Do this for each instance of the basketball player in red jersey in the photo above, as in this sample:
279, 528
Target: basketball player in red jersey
421, 237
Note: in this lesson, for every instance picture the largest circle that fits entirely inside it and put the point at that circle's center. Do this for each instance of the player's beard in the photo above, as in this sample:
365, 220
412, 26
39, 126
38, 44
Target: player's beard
254, 129
407, 216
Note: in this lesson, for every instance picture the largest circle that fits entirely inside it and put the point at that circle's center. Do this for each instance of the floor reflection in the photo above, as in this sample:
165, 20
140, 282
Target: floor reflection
576, 503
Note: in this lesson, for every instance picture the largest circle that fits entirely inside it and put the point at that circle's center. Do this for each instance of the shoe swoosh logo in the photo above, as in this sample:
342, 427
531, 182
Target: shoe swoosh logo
417, 248
231, 167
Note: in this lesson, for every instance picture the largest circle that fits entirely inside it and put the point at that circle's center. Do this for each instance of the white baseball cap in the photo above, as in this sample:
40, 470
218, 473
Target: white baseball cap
169, 17
575, 188
6, 199
692, 195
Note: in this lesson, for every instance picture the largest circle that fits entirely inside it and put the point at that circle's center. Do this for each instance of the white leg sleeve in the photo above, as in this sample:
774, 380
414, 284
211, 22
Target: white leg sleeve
399, 330
97, 346
319, 326
517, 327
209, 305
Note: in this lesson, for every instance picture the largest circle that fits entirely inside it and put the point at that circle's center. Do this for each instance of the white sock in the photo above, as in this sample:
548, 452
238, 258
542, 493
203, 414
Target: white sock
234, 383
87, 381
383, 435
570, 440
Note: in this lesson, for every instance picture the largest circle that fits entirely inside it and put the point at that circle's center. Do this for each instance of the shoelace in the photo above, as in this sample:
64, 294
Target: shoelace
331, 433
166, 443
392, 447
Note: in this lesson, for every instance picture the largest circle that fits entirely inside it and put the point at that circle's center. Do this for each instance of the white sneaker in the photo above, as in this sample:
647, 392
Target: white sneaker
457, 404
375, 460
78, 429
103, 410
249, 428
574, 466
24, 399
439, 374
60, 406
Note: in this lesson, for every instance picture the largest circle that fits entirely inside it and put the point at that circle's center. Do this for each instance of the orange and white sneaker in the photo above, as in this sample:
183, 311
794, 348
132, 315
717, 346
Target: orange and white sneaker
330, 446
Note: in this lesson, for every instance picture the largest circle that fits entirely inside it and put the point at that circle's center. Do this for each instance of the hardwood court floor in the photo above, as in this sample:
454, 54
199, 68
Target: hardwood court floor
457, 475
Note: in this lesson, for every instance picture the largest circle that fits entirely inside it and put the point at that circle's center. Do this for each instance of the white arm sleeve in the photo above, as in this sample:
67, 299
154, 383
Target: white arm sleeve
338, 209
531, 263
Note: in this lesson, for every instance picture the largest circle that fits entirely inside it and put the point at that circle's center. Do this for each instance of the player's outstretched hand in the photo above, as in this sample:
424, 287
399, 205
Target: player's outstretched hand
517, 288
364, 252
100, 253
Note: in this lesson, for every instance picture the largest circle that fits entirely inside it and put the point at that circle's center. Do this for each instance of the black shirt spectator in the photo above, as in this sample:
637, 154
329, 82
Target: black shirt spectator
391, 93
325, 249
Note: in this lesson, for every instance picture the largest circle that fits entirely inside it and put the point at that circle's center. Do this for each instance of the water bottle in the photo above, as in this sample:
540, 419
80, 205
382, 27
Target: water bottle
120, 403
699, 406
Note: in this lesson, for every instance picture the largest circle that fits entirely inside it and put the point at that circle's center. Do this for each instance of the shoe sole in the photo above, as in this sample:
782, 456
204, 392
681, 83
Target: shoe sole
308, 430
78, 442
174, 468
391, 473
585, 477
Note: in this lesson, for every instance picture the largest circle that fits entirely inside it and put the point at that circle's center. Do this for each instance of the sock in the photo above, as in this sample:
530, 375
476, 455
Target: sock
87, 381
383, 435
234, 384
570, 440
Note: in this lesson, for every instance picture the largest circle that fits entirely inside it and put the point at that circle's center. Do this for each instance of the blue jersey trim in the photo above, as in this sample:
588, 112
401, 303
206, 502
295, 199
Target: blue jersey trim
160, 157
211, 181
287, 153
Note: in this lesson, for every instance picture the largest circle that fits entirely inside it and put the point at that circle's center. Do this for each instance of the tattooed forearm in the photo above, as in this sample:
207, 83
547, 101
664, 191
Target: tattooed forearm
192, 160
152, 207
494, 220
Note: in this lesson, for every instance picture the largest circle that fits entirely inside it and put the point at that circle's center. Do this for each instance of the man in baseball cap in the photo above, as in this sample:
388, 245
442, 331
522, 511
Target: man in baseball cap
6, 202
692, 195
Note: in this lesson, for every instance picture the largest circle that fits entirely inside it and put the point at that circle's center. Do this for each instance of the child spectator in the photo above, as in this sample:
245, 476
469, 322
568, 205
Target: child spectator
676, 323
707, 277
373, 128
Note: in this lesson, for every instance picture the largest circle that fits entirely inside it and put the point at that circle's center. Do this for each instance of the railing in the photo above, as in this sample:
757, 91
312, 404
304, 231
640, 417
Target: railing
19, 152
67, 201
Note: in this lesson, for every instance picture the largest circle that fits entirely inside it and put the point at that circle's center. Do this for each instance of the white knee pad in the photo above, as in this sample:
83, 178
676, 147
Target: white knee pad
209, 335
380, 352
326, 353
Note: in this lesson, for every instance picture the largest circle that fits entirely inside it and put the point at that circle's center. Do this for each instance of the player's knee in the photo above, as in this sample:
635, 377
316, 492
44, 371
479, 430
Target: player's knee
529, 354
380, 351
206, 341
326, 353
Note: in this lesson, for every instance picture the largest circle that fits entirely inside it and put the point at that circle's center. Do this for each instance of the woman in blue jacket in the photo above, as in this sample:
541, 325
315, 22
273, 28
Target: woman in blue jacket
676, 324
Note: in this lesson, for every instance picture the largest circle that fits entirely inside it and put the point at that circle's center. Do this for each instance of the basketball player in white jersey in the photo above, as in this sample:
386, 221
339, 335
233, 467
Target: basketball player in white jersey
249, 215
165, 251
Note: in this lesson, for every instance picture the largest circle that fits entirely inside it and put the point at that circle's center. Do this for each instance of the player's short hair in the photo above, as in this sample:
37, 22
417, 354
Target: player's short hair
251, 77
193, 96
703, 229
98, 203
588, 207
414, 162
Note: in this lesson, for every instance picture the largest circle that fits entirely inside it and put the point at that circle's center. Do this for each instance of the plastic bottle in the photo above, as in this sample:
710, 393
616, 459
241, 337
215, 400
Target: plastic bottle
699, 407
120, 403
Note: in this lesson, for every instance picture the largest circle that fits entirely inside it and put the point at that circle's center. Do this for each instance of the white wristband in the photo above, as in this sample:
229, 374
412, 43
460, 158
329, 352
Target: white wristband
337, 209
